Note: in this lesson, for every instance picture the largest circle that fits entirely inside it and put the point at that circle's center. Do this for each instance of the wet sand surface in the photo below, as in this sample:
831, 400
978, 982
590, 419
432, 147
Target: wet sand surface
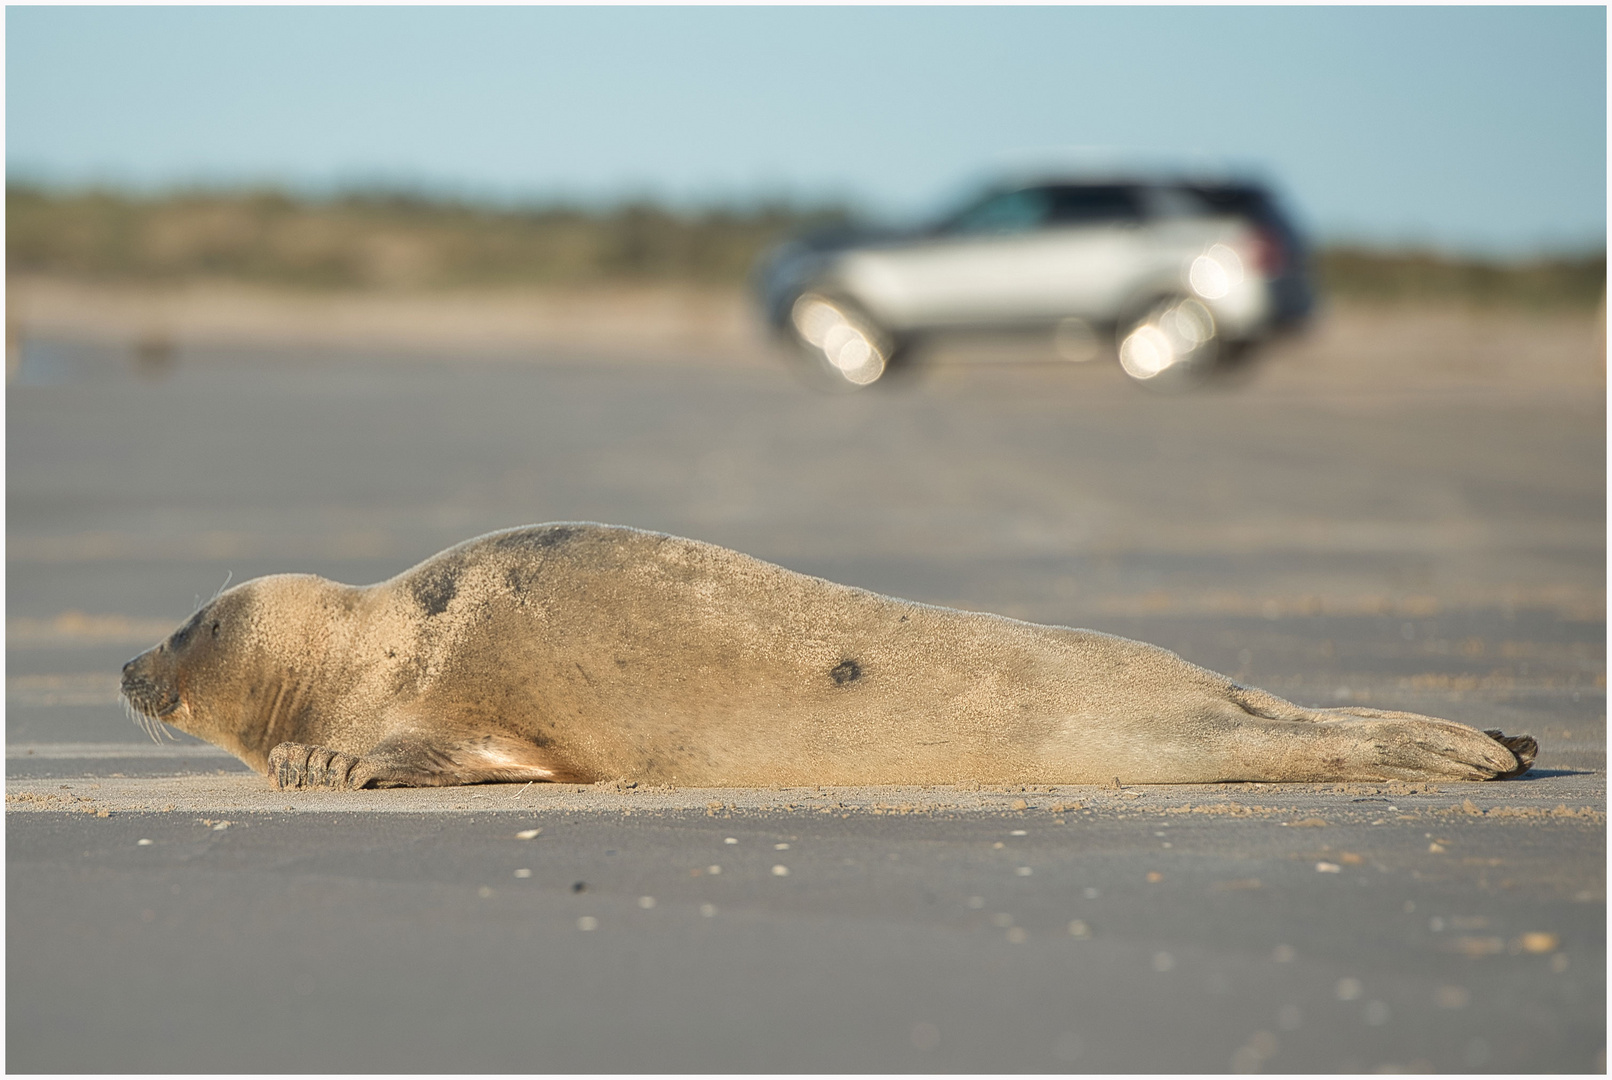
1409, 514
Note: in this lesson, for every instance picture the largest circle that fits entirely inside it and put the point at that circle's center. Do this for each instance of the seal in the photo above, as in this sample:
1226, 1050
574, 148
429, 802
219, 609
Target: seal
583, 652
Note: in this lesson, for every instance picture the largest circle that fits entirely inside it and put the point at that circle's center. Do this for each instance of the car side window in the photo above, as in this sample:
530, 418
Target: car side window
1174, 203
1093, 205
1005, 213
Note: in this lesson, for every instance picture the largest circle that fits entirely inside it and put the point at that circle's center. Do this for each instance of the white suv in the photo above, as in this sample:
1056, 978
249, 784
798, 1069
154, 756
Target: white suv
1179, 275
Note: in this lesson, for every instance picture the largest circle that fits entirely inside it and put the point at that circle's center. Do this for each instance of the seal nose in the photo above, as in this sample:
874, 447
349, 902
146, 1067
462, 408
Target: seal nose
132, 671
126, 683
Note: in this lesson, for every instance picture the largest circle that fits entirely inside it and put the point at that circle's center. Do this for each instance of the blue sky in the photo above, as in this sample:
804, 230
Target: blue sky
1472, 129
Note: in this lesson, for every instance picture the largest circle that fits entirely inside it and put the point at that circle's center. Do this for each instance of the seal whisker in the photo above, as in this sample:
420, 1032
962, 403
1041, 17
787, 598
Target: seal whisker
140, 719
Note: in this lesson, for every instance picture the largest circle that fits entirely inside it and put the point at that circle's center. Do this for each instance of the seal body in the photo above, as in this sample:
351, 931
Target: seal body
583, 652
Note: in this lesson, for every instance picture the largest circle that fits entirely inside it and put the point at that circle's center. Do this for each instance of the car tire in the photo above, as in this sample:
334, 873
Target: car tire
1171, 344
845, 349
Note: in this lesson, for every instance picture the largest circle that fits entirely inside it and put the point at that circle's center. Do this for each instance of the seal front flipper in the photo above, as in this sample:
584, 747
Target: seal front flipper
293, 765
415, 760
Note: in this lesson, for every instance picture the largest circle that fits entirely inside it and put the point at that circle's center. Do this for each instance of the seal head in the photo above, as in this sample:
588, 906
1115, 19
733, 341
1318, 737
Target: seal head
226, 675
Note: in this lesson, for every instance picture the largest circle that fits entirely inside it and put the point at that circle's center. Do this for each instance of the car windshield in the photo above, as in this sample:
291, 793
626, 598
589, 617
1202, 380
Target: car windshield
1002, 212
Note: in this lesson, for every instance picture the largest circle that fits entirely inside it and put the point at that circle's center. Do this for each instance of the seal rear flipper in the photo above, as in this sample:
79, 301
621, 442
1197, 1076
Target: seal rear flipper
1525, 747
410, 760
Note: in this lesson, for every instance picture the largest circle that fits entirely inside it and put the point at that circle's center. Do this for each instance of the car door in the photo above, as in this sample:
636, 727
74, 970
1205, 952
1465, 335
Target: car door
1091, 250
1028, 254
972, 269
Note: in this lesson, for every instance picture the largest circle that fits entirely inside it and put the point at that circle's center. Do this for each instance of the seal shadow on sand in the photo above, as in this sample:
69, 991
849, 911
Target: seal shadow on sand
1537, 773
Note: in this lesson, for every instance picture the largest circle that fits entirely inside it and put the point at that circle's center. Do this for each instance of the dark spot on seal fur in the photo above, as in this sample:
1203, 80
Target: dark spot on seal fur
580, 886
520, 577
846, 671
182, 635
547, 537
437, 589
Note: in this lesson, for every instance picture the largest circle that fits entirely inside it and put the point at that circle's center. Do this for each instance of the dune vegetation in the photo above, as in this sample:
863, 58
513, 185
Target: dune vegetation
391, 241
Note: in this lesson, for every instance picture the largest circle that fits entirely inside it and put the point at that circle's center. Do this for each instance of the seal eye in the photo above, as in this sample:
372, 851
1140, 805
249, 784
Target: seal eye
215, 628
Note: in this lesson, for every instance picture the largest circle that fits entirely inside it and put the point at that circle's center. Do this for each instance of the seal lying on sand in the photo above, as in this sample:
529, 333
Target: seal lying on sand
582, 652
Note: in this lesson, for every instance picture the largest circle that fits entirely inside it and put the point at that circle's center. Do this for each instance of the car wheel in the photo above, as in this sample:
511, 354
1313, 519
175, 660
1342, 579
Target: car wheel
846, 346
1173, 345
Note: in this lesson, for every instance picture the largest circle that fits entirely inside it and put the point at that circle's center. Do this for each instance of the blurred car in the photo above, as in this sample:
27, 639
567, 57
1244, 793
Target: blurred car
1176, 276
